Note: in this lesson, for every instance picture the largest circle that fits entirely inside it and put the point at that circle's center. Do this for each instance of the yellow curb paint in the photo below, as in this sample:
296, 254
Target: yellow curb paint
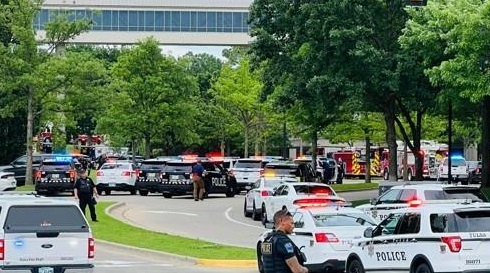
227, 263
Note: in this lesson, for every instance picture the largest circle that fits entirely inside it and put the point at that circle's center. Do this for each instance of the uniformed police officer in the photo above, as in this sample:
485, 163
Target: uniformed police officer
279, 253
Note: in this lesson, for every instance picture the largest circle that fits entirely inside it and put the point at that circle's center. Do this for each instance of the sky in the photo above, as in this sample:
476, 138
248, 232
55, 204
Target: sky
178, 51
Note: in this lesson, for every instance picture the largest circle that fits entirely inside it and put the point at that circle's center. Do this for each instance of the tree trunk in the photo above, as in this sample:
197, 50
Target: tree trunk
314, 144
30, 125
485, 160
419, 155
256, 147
368, 160
245, 150
222, 146
264, 146
147, 146
405, 161
391, 136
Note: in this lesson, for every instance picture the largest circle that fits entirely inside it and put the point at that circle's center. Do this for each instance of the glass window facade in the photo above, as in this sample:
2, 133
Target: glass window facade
153, 20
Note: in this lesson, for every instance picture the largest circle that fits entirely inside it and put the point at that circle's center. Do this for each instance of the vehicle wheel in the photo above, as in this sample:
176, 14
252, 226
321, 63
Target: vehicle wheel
355, 266
230, 192
260, 264
38, 193
423, 268
465, 182
409, 175
107, 192
167, 195
132, 192
263, 216
143, 192
255, 215
386, 174
245, 212
99, 192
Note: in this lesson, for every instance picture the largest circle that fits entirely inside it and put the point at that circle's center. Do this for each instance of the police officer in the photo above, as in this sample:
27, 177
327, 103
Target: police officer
279, 253
84, 190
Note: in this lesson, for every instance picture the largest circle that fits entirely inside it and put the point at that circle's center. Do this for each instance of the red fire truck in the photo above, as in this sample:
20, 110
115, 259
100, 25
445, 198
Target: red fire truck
355, 162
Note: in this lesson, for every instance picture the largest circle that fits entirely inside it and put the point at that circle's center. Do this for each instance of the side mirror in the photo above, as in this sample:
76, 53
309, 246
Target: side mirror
269, 225
373, 201
299, 224
368, 232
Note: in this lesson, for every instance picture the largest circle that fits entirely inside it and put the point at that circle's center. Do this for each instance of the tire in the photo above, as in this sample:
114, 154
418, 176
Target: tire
263, 215
99, 192
107, 192
355, 266
230, 192
260, 264
143, 192
255, 216
423, 268
167, 195
386, 175
409, 175
132, 192
245, 212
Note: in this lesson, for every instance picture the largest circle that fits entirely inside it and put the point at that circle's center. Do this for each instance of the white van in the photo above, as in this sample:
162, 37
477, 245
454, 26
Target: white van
44, 235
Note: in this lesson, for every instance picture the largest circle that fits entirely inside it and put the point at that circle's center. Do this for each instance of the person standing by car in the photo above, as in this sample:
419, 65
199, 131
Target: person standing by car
279, 253
101, 160
198, 181
85, 192
341, 171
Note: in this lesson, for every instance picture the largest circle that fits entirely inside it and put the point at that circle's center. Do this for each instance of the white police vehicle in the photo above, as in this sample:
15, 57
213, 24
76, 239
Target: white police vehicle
262, 189
401, 196
44, 235
324, 232
287, 195
427, 238
7, 181
459, 170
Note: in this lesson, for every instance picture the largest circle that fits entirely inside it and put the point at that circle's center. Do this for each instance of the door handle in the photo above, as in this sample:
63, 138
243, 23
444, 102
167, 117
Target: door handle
384, 241
413, 240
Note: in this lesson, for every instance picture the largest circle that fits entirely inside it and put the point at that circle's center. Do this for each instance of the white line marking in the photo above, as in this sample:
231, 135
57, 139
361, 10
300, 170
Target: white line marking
227, 215
171, 212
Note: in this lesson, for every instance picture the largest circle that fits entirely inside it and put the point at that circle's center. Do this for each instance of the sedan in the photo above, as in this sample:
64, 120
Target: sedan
262, 188
7, 181
117, 176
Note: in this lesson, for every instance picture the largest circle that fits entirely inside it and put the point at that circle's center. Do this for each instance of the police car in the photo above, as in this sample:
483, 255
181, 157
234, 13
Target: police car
262, 189
400, 197
287, 195
324, 232
150, 176
44, 235
7, 181
117, 176
247, 170
55, 174
426, 238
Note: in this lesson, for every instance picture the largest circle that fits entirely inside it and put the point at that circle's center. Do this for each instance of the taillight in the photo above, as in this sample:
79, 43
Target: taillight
453, 242
72, 174
91, 248
326, 238
414, 203
100, 173
264, 193
126, 173
38, 174
137, 172
262, 172
2, 249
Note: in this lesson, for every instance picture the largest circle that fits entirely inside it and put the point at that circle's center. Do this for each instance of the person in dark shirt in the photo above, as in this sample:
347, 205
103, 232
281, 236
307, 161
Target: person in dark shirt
85, 192
198, 181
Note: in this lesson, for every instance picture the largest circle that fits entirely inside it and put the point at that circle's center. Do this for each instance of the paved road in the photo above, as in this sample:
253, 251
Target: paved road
114, 259
217, 219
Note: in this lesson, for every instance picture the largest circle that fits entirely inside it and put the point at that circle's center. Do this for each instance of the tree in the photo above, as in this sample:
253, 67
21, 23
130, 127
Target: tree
151, 92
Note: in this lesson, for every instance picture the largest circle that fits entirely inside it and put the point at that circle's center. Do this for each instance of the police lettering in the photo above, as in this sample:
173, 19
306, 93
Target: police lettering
478, 235
391, 256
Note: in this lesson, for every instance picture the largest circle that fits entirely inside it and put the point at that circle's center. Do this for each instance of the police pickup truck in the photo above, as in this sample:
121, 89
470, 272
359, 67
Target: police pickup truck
44, 235
55, 174
177, 179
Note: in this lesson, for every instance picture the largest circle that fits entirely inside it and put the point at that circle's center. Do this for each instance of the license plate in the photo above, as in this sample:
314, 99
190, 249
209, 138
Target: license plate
55, 175
248, 187
112, 184
174, 177
45, 270
150, 175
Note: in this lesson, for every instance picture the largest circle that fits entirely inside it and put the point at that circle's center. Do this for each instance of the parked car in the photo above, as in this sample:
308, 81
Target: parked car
474, 172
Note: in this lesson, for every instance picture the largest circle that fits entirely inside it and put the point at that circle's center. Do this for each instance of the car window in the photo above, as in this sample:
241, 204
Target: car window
281, 169
298, 219
208, 166
387, 226
115, 167
473, 194
147, 166
409, 223
269, 183
285, 191
389, 197
172, 167
342, 219
21, 161
461, 221
249, 164
408, 194
310, 189
67, 218
56, 166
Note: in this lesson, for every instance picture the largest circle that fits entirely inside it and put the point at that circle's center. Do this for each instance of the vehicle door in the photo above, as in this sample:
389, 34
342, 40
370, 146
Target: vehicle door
252, 194
303, 233
278, 198
385, 203
406, 243
218, 178
377, 255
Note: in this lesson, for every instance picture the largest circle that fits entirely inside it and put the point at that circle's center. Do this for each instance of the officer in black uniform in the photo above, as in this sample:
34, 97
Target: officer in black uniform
279, 253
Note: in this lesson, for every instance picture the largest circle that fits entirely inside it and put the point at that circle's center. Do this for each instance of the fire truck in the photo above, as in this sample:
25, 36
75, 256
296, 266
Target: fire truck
430, 152
355, 162
85, 142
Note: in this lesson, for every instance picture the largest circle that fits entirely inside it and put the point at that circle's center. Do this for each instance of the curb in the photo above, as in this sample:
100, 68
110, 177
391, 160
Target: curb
196, 261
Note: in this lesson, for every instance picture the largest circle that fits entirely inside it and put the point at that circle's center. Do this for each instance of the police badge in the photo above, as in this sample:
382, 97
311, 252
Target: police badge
374, 213
370, 249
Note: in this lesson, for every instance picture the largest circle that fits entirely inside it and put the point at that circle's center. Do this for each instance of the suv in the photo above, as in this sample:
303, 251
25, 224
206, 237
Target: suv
55, 174
177, 179
403, 195
150, 176
19, 165
474, 172
246, 171
426, 238
302, 171
44, 235
459, 170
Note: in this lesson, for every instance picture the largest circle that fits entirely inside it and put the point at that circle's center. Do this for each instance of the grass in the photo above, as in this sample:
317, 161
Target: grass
354, 187
113, 230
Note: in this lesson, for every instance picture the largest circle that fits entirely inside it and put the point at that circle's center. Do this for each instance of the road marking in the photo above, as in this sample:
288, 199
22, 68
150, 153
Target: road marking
171, 212
126, 264
227, 215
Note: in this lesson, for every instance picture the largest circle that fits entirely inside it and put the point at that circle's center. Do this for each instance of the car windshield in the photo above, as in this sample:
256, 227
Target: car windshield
148, 166
281, 169
249, 164
115, 166
178, 167
455, 161
343, 219
56, 166
269, 183
473, 194
310, 189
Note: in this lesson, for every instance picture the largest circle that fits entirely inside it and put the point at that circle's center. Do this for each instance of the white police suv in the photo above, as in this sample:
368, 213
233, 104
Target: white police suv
401, 196
444, 237
324, 232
